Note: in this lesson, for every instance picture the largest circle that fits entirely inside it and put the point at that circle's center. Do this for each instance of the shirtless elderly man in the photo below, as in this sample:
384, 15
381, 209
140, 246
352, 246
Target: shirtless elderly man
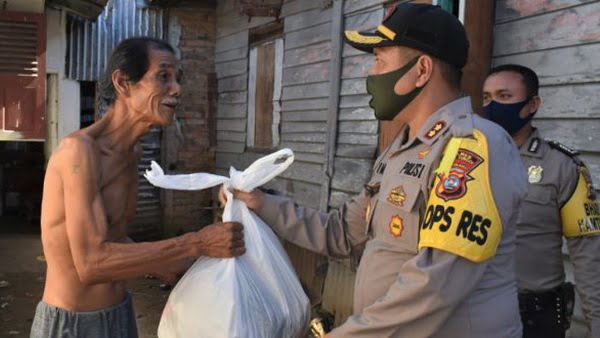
90, 196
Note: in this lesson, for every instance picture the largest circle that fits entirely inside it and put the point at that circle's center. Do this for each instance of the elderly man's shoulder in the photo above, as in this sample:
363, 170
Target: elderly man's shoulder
76, 147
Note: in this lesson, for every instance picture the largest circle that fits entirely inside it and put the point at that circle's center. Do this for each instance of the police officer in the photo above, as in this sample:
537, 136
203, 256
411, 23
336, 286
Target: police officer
438, 214
560, 203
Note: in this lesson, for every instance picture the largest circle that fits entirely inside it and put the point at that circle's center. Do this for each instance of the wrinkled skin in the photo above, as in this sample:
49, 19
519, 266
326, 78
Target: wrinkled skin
90, 193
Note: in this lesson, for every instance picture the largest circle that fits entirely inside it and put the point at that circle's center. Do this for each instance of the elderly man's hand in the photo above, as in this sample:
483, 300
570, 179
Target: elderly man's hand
253, 199
221, 240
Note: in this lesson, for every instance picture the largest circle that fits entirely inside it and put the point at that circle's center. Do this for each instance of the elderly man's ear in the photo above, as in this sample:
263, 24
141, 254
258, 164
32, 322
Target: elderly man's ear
121, 83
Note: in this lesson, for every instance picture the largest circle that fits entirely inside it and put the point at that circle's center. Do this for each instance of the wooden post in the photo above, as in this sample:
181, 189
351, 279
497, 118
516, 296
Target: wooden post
337, 25
479, 24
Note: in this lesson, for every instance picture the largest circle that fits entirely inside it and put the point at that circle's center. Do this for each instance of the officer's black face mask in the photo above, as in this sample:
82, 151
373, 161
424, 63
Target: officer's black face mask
507, 115
386, 103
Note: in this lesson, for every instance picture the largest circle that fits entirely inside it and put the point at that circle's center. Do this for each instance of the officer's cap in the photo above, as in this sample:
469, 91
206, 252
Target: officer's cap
423, 27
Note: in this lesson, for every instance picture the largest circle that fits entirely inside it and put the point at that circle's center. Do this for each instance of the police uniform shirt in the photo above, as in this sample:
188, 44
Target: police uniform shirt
438, 217
560, 202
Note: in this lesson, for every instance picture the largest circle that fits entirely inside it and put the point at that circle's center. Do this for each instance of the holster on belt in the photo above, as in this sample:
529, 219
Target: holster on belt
560, 299
568, 292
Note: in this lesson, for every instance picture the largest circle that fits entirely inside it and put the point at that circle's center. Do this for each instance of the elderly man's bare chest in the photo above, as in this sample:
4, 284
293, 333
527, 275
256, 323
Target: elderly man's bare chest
118, 190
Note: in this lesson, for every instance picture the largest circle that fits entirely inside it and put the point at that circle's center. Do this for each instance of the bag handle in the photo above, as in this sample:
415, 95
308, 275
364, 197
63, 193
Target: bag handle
260, 172
198, 181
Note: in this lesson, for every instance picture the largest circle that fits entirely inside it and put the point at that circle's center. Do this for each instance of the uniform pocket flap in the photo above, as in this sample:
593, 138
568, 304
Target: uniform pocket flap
402, 195
538, 194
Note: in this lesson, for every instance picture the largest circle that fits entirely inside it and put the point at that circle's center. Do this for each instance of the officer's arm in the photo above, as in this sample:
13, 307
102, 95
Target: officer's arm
428, 288
334, 234
581, 226
459, 236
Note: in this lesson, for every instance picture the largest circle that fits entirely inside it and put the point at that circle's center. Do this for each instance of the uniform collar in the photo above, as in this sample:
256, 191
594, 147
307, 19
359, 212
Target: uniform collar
437, 124
533, 145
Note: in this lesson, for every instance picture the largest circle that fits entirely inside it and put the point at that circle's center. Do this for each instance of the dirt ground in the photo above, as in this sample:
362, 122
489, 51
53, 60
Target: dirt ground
22, 272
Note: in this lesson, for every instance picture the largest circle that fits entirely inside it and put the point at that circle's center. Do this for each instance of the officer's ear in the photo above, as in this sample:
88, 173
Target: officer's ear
534, 104
424, 69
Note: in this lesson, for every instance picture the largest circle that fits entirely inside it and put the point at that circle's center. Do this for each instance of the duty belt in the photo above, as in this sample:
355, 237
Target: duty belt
561, 299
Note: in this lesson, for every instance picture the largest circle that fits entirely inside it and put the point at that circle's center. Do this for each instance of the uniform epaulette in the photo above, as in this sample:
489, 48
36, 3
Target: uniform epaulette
572, 153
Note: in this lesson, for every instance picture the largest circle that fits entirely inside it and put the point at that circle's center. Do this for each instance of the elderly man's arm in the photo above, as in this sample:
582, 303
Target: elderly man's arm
96, 258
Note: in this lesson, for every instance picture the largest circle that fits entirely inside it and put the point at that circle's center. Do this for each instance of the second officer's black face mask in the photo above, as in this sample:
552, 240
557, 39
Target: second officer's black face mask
386, 103
507, 115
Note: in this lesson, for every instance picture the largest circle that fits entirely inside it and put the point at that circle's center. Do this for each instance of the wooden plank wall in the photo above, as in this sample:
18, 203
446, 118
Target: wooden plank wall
304, 92
303, 116
358, 128
560, 40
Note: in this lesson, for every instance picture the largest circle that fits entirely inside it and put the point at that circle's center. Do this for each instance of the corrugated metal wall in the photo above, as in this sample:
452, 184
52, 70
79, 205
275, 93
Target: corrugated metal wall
88, 50
90, 43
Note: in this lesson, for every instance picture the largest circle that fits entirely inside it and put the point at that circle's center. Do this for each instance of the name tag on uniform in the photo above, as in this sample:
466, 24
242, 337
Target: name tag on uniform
413, 169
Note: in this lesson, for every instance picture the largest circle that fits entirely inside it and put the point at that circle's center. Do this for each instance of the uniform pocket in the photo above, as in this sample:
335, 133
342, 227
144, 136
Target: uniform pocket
540, 194
396, 221
400, 194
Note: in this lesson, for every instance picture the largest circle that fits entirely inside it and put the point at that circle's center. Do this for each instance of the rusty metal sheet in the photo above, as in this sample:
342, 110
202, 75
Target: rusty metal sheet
90, 43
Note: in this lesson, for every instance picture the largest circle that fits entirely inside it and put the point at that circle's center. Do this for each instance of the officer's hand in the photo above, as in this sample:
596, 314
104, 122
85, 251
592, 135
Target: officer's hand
253, 199
222, 196
221, 240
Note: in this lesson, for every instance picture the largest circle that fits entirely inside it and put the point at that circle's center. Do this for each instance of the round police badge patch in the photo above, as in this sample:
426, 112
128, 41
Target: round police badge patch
534, 174
396, 226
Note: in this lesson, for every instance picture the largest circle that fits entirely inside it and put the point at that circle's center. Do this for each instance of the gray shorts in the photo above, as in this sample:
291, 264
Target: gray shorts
116, 321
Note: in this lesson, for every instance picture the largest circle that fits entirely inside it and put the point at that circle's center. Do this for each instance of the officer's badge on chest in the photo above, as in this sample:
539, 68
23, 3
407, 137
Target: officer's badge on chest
396, 226
397, 196
534, 174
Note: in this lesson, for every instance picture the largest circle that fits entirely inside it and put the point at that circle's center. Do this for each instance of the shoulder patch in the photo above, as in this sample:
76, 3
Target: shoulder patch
565, 150
436, 129
461, 215
581, 214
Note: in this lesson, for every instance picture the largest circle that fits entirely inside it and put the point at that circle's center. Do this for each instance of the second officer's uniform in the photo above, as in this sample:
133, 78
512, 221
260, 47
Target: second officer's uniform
560, 202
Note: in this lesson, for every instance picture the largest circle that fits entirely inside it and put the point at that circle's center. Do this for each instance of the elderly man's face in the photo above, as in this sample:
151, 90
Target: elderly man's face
156, 96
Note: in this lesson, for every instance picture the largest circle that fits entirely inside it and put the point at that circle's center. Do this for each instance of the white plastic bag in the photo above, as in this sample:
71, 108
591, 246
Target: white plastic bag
256, 295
